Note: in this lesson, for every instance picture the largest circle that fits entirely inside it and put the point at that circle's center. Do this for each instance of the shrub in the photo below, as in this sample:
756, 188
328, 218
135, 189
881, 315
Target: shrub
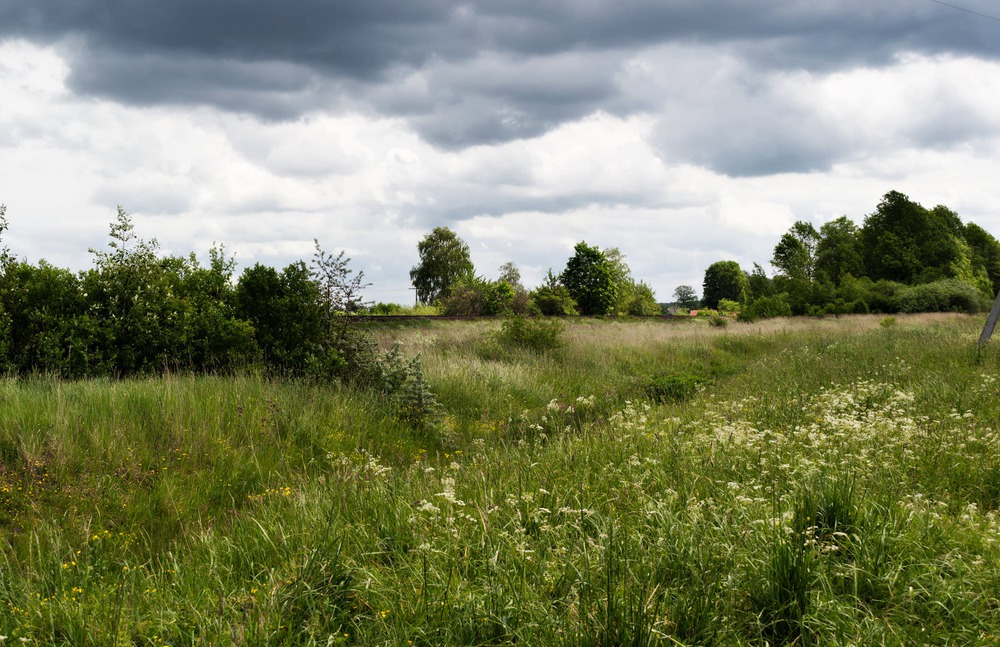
535, 334
947, 295
766, 308
554, 301
476, 297
718, 322
728, 305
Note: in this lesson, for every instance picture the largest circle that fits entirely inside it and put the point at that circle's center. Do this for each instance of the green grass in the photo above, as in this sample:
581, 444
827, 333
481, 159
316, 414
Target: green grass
808, 482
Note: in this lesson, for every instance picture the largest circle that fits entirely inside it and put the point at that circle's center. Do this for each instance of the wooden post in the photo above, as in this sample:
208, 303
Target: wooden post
991, 321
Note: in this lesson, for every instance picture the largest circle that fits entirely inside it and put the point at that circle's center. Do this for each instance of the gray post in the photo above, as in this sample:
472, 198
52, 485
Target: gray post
991, 321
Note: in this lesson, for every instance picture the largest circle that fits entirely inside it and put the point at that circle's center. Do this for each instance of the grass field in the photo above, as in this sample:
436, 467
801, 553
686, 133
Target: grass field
806, 482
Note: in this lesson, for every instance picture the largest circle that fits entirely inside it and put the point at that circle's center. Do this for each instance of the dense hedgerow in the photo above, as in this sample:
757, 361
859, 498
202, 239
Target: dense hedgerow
137, 312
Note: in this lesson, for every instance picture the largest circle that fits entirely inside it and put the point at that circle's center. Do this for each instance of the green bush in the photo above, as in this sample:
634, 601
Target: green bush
531, 333
947, 295
766, 308
728, 306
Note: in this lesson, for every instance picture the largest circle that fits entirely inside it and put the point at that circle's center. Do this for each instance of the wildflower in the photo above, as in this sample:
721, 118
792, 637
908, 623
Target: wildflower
427, 506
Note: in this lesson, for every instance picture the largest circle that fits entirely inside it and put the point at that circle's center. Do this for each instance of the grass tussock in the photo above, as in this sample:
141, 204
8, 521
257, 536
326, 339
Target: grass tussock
801, 482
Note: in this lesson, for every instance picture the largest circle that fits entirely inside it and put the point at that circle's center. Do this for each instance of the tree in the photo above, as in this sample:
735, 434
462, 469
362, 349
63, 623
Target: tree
985, 252
838, 252
512, 275
5, 256
723, 280
444, 260
759, 284
686, 297
589, 278
902, 241
795, 253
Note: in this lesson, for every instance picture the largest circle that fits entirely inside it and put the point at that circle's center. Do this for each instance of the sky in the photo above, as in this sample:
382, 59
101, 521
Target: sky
682, 132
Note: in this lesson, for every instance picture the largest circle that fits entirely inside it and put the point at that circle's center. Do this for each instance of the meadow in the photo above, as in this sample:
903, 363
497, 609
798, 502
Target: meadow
801, 482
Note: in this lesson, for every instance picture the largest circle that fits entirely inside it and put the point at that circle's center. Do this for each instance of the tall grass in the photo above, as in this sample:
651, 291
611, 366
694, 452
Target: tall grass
820, 482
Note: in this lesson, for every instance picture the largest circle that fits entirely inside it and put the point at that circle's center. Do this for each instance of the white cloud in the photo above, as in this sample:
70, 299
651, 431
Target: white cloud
638, 179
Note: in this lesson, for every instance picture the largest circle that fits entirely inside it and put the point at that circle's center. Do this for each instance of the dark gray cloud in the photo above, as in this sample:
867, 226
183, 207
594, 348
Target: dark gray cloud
480, 72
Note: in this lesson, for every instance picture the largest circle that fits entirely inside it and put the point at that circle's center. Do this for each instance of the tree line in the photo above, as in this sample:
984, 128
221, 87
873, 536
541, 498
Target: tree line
138, 312
594, 282
904, 258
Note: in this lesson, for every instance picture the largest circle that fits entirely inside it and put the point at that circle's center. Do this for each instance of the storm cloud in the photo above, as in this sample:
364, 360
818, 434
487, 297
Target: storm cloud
680, 131
472, 73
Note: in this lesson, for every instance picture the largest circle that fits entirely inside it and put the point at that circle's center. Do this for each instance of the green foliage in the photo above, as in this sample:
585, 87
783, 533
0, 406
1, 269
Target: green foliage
686, 297
985, 255
531, 333
728, 306
474, 296
830, 486
838, 252
288, 317
795, 253
642, 301
673, 388
444, 262
390, 309
948, 295
758, 285
904, 242
553, 299
5, 256
418, 405
512, 276
723, 280
590, 279
766, 307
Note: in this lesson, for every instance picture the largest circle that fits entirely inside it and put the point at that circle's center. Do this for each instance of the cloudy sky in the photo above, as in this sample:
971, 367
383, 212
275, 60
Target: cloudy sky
680, 131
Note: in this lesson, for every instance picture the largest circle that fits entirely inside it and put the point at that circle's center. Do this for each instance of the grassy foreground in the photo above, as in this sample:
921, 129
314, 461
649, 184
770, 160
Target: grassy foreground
826, 482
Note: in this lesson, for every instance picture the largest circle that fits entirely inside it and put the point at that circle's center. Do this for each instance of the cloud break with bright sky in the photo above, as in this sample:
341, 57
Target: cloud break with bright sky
682, 132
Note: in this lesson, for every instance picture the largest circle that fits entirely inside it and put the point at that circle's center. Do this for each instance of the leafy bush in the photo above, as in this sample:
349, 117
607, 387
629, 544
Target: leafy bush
947, 295
554, 301
642, 301
474, 296
531, 333
728, 306
766, 307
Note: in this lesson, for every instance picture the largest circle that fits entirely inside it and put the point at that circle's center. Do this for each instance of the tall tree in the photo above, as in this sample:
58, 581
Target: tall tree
444, 261
985, 254
512, 275
686, 297
723, 280
590, 280
795, 253
758, 284
838, 252
902, 241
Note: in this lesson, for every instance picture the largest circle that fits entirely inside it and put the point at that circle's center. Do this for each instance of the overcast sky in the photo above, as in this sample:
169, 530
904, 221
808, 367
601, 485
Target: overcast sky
682, 132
